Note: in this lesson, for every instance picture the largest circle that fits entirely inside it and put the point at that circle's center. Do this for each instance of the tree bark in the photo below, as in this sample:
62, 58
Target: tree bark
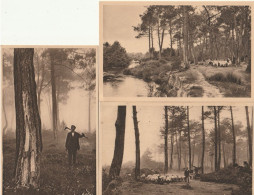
219, 138
249, 135
166, 141
203, 141
189, 141
116, 164
5, 116
89, 111
234, 138
28, 122
135, 121
215, 139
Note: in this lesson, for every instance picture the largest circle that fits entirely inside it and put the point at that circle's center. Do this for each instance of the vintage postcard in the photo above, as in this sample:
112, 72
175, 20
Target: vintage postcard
49, 122
176, 149
174, 49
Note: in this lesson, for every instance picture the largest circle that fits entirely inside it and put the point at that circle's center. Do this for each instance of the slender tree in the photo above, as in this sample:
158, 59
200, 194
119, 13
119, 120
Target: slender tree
5, 116
234, 137
185, 37
249, 135
215, 139
172, 139
189, 139
28, 123
116, 164
166, 141
53, 96
203, 141
136, 129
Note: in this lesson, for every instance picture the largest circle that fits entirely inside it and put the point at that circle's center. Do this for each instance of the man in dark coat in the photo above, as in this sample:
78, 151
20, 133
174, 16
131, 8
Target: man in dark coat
186, 175
72, 144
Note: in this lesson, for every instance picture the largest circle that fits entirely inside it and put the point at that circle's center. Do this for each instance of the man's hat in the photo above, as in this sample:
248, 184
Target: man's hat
73, 127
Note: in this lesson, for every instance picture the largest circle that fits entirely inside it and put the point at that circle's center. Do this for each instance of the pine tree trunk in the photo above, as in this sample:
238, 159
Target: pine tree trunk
215, 139
89, 111
249, 135
189, 141
203, 141
234, 138
172, 142
185, 38
166, 141
5, 116
224, 155
54, 102
135, 121
116, 164
193, 153
219, 140
28, 122
149, 39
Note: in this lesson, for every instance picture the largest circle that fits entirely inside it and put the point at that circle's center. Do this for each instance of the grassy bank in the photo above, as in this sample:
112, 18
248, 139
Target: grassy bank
57, 177
154, 70
232, 81
232, 175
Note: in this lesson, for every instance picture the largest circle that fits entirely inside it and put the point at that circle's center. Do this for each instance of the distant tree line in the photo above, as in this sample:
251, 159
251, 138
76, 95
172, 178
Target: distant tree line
189, 142
200, 33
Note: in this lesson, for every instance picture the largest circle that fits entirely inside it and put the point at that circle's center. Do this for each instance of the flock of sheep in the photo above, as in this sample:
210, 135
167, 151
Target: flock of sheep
217, 63
161, 179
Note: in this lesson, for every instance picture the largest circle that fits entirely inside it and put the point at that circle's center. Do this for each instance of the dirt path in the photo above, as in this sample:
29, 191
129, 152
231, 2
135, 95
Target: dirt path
209, 90
197, 188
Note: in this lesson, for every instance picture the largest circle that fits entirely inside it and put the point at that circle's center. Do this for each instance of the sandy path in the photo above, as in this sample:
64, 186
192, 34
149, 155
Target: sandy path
209, 89
198, 188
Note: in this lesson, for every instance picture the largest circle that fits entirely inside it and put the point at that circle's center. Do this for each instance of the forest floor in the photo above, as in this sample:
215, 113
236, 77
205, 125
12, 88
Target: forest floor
196, 187
57, 177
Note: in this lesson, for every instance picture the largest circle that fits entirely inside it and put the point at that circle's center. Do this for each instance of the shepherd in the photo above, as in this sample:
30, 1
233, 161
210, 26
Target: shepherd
187, 175
72, 144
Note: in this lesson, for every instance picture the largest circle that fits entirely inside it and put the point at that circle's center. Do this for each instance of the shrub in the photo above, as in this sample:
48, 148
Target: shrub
233, 78
230, 77
176, 64
127, 71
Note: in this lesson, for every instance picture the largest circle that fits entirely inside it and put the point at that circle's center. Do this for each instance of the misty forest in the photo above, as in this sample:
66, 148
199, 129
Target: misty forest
44, 91
191, 51
149, 157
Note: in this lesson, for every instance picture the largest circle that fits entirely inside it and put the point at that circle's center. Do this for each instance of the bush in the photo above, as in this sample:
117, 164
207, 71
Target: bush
127, 71
233, 78
176, 64
230, 77
233, 175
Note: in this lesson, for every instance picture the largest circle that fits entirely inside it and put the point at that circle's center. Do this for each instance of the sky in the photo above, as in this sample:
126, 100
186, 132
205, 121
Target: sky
118, 22
150, 120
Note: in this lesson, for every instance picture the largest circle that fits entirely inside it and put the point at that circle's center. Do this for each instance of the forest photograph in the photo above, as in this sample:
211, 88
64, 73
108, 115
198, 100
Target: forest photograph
153, 50
49, 120
157, 149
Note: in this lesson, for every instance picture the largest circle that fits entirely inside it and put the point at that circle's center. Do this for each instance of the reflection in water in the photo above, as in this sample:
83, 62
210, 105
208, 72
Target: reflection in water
127, 86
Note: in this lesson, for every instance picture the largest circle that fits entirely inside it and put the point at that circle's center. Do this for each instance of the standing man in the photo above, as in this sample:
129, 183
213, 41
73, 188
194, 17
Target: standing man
187, 175
72, 144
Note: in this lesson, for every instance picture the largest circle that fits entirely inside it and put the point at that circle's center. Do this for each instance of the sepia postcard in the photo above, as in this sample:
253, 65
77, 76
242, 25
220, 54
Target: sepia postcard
49, 121
174, 49
176, 149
